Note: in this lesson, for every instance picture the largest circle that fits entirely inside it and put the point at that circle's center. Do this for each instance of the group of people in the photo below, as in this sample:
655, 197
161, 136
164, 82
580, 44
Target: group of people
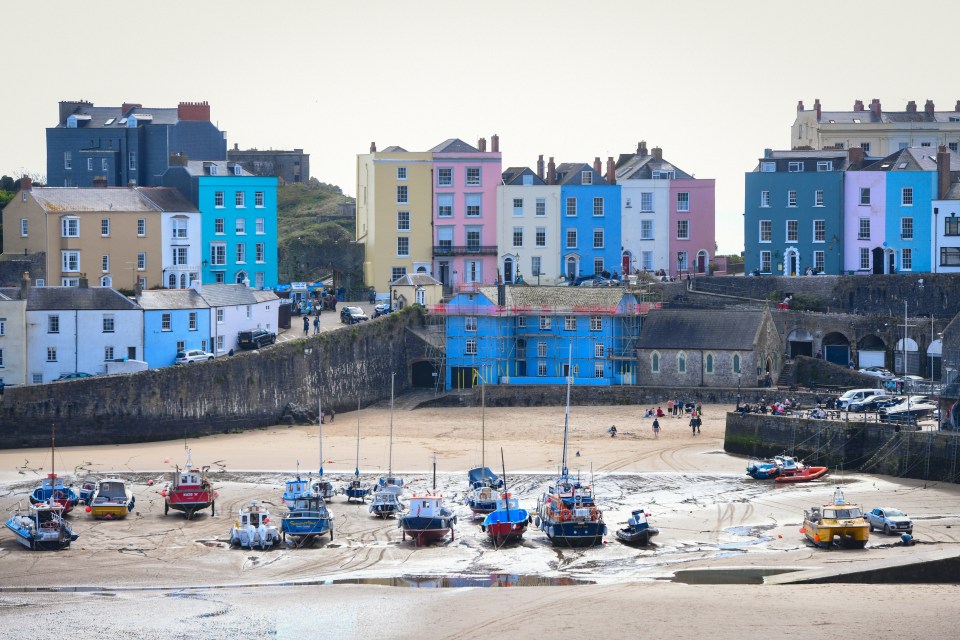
316, 324
675, 409
774, 408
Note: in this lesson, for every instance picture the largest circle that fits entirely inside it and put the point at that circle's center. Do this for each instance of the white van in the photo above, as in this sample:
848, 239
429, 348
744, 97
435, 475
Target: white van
856, 395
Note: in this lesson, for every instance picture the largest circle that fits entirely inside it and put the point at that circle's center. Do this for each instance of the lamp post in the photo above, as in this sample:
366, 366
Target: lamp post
936, 230
738, 391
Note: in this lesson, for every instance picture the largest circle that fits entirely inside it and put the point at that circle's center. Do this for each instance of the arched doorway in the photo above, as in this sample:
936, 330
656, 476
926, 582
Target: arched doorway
508, 270
871, 352
183, 281
241, 277
571, 268
423, 374
791, 262
800, 343
172, 280
877, 255
913, 357
702, 261
106, 281
836, 348
626, 263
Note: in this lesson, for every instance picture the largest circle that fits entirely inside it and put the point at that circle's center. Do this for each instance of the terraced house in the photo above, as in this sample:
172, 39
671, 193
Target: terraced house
589, 218
528, 226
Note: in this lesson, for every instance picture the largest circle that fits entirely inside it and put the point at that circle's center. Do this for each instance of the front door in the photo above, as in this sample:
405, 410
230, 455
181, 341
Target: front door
571, 268
701, 262
445, 274
877, 253
625, 264
508, 270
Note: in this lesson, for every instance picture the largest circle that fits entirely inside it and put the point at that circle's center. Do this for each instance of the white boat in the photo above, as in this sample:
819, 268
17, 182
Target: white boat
41, 527
911, 407
386, 496
253, 528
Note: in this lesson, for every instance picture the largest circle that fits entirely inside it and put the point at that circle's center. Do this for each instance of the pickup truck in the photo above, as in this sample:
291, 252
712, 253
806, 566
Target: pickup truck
889, 520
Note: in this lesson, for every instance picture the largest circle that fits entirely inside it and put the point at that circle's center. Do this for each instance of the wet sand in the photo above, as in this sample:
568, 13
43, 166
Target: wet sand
710, 515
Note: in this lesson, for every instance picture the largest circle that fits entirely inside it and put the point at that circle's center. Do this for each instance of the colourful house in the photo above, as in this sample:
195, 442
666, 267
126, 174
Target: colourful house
589, 219
173, 320
528, 227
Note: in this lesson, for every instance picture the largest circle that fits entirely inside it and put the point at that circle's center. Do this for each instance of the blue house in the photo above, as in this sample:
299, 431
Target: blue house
239, 220
589, 220
524, 335
127, 145
173, 320
793, 213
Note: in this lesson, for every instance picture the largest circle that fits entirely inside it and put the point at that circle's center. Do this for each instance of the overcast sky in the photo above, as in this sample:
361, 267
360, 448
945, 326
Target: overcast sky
712, 83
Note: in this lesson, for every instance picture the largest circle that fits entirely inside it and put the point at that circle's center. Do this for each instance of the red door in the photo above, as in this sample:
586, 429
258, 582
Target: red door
626, 264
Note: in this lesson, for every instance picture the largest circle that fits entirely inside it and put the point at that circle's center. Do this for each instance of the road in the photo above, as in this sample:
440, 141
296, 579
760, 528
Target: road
329, 321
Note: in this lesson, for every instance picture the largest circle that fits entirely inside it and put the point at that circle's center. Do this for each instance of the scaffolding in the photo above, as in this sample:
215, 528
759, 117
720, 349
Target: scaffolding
518, 337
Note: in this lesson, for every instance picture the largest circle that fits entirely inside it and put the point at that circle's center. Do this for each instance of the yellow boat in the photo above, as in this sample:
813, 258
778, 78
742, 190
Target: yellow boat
111, 500
839, 522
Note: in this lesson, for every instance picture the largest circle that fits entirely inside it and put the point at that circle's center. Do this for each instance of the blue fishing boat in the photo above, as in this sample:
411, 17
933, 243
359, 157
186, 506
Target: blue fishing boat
773, 467
508, 522
42, 527
566, 512
484, 483
52, 488
356, 489
307, 516
386, 498
428, 519
87, 487
638, 529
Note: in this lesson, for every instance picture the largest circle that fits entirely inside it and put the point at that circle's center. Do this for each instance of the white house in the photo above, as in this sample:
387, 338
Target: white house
528, 227
235, 308
180, 246
644, 181
13, 338
79, 329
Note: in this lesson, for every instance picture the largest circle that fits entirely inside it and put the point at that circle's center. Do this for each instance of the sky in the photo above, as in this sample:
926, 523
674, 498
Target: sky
711, 83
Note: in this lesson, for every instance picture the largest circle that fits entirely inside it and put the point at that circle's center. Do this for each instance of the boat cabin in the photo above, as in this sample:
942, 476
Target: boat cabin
427, 506
111, 491
189, 477
254, 516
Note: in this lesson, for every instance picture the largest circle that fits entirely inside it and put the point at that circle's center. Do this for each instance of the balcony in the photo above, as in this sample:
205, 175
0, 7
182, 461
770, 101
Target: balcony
468, 250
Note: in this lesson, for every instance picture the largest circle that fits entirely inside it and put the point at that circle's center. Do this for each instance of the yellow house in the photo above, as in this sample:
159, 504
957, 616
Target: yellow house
394, 214
118, 236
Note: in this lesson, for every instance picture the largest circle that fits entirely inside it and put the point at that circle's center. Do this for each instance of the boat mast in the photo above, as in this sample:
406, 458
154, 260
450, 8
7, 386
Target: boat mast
566, 413
390, 450
320, 425
53, 449
434, 472
483, 432
356, 471
506, 488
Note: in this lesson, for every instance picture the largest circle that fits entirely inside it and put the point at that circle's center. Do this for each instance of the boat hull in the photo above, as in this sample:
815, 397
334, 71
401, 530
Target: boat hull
356, 495
503, 532
806, 475
642, 537
482, 507
189, 501
44, 541
850, 536
109, 511
384, 510
305, 528
574, 534
427, 529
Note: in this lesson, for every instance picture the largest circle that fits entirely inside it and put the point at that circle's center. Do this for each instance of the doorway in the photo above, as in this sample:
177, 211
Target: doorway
508, 270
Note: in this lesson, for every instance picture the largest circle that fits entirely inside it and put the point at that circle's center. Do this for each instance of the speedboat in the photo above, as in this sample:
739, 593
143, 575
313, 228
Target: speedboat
838, 522
112, 499
253, 528
773, 467
638, 529
41, 527
804, 475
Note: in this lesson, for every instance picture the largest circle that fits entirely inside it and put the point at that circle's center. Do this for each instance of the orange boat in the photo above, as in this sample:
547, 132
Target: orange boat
804, 475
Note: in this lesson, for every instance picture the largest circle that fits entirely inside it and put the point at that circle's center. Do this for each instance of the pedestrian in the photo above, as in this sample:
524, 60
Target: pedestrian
322, 417
333, 414
659, 412
693, 424
699, 422
656, 428
670, 407
613, 431
316, 326
306, 326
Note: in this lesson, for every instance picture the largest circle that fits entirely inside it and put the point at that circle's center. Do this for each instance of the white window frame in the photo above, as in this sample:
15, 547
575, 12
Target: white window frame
598, 238
764, 199
825, 165
906, 197
141, 261
239, 199
240, 226
105, 264
768, 167
541, 207
795, 166
766, 262
401, 173
166, 322
819, 260
518, 207
571, 235
598, 350
683, 201
70, 227
586, 177
70, 261
598, 369
517, 237
569, 323
818, 198
403, 246
906, 228
683, 229
470, 347
105, 227
766, 229
403, 221
864, 258
863, 228
906, 259
260, 224
542, 349
546, 322
470, 323
793, 231
646, 202
260, 249
819, 230
598, 207
596, 323
444, 176
258, 199
540, 237
570, 208
864, 196
473, 177
24, 227
791, 198
218, 199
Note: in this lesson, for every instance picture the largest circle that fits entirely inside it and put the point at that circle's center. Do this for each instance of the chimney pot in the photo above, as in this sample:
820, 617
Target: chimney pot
373, 147
597, 165
816, 107
856, 156
928, 108
495, 143
875, 108
611, 171
26, 183
551, 172
957, 107
912, 106
83, 283
658, 153
858, 105
799, 105
126, 106
195, 111
642, 149
482, 144
25, 285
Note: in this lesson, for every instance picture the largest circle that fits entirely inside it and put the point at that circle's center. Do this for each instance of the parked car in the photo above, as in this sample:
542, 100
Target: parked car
381, 310
73, 376
889, 520
255, 338
856, 395
877, 372
352, 315
867, 404
192, 355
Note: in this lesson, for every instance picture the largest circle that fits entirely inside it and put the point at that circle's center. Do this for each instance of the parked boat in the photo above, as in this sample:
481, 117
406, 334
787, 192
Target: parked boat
87, 487
910, 408
307, 516
386, 498
638, 529
42, 527
773, 467
484, 483
52, 488
112, 499
838, 522
356, 489
253, 528
190, 491
508, 522
427, 519
804, 475
567, 513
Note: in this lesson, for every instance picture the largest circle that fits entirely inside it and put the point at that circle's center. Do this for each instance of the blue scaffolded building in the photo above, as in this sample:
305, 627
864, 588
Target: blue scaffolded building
522, 335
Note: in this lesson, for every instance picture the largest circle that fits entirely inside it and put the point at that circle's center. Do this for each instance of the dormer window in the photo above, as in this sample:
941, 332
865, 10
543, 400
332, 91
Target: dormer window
586, 177
825, 165
795, 167
213, 169
237, 170
768, 167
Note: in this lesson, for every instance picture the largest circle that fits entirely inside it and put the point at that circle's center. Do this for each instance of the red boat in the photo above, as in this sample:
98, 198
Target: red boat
804, 475
190, 491
508, 523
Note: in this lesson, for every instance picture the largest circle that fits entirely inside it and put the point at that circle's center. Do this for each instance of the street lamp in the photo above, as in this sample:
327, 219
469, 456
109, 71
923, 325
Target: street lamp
738, 391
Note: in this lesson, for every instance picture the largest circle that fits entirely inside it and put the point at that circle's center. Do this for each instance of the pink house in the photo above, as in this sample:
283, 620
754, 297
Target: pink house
465, 180
692, 232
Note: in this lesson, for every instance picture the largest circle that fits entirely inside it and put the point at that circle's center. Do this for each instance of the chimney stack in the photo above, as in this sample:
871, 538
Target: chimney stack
236, 146
912, 106
816, 107
928, 108
195, 111
482, 144
126, 106
26, 183
858, 105
373, 147
597, 165
99, 182
540, 167
856, 156
495, 143
957, 106
83, 283
68, 107
642, 149
657, 153
943, 172
551, 172
611, 171
875, 108
25, 286
799, 105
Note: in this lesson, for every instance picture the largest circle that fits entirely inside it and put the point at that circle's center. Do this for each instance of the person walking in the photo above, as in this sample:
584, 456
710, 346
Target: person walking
333, 414
306, 326
693, 424
316, 325
699, 422
670, 407
656, 428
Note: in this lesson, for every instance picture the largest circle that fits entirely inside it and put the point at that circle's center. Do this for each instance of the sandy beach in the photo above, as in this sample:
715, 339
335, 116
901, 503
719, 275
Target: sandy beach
711, 516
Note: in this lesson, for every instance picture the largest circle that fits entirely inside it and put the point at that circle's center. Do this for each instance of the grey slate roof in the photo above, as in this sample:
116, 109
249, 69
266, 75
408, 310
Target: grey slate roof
172, 299
224, 168
454, 145
83, 299
415, 280
514, 175
100, 115
953, 193
68, 199
167, 199
914, 159
9, 293
561, 297
636, 167
394, 149
264, 295
227, 295
866, 116
699, 329
568, 173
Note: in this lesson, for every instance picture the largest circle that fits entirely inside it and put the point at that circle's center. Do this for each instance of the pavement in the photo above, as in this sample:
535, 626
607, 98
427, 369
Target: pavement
329, 321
